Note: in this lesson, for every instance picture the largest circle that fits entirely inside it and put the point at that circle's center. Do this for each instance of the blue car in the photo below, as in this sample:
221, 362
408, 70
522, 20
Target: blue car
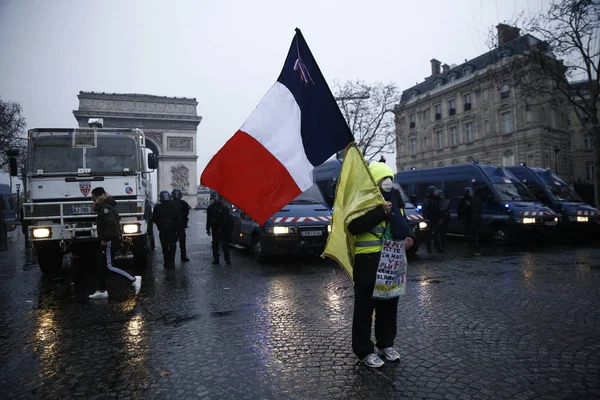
577, 218
300, 228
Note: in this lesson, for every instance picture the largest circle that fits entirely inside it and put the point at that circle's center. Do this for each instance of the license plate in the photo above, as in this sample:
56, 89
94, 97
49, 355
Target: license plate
311, 233
81, 209
551, 223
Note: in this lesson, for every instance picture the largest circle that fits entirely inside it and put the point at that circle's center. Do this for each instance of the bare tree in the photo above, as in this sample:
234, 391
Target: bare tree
369, 112
12, 127
565, 61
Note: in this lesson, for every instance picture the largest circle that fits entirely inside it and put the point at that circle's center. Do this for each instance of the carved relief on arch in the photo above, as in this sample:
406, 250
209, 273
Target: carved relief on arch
181, 178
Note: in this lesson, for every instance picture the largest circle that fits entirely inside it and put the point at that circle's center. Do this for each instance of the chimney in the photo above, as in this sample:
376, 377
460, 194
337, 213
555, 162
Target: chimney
445, 68
506, 33
435, 67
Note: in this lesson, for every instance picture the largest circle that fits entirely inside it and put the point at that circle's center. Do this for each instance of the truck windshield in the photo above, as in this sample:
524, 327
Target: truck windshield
514, 191
563, 193
55, 154
114, 153
310, 196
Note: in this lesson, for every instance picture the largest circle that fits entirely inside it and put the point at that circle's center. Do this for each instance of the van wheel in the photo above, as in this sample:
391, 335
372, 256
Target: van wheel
259, 252
500, 235
50, 260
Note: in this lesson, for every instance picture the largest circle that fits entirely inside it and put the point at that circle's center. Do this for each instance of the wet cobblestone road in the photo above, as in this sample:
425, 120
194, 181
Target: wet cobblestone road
511, 324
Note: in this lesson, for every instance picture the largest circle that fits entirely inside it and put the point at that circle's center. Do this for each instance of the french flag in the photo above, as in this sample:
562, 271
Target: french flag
295, 127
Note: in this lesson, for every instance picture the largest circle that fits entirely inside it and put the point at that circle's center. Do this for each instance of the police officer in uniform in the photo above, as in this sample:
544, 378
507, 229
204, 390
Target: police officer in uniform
167, 220
218, 224
183, 211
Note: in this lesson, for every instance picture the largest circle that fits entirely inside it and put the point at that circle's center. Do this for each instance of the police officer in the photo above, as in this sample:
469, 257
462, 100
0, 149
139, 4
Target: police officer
468, 210
183, 211
431, 212
218, 223
167, 220
442, 214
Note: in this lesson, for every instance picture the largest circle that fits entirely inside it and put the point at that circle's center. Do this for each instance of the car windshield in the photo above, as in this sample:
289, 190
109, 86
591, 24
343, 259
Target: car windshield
563, 193
310, 196
513, 192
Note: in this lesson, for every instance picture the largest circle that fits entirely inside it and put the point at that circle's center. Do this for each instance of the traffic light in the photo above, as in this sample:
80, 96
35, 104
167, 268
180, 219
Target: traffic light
14, 170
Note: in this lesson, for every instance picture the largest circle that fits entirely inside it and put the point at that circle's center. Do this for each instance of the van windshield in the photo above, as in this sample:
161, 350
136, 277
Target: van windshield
515, 191
563, 193
310, 196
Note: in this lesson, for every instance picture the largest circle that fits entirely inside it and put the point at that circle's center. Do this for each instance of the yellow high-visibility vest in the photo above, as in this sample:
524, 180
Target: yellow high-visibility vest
371, 242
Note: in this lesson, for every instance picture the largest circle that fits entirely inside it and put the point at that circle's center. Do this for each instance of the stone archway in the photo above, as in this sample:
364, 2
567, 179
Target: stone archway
169, 123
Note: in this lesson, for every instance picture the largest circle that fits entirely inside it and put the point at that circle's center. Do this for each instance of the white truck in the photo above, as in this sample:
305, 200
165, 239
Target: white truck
64, 166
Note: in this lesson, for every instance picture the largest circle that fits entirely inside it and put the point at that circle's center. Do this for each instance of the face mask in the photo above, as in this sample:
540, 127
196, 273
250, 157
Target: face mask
387, 185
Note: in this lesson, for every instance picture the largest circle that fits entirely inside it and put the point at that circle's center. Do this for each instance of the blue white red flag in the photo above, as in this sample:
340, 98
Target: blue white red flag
297, 126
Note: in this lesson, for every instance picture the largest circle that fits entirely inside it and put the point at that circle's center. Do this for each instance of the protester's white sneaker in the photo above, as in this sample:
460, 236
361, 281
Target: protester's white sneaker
99, 295
373, 361
137, 284
389, 353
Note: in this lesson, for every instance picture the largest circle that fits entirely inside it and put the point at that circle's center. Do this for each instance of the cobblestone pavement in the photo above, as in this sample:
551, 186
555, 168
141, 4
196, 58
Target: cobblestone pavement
505, 323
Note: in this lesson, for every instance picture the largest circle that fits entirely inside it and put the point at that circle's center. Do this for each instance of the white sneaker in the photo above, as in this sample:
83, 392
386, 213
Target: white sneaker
389, 353
373, 361
137, 284
99, 295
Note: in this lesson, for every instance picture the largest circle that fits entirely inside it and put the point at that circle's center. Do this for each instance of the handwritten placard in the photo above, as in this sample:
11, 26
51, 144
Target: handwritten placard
391, 271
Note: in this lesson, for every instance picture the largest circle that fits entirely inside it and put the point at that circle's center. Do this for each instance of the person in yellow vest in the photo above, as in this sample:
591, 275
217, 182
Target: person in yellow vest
369, 230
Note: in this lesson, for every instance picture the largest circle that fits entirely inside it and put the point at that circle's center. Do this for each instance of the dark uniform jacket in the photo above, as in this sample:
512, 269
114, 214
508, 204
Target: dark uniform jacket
365, 265
183, 211
108, 218
166, 218
218, 218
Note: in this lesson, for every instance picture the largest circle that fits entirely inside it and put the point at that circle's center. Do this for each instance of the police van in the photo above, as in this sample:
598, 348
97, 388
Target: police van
576, 218
300, 228
326, 177
509, 211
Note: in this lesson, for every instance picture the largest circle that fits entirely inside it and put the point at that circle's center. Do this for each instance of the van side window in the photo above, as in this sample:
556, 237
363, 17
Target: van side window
404, 187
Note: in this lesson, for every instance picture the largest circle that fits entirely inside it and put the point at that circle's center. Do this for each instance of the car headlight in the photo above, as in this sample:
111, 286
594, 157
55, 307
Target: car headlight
529, 220
41, 233
422, 225
281, 230
131, 228
328, 228
582, 219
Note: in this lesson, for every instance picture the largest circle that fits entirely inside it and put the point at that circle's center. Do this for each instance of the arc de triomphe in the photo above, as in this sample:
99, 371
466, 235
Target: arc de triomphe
170, 125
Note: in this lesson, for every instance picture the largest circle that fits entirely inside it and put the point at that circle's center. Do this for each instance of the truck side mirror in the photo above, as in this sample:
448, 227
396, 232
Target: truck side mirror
152, 161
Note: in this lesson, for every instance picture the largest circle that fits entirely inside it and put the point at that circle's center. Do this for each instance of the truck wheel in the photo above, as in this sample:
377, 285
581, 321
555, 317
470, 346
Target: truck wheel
259, 252
142, 252
50, 260
500, 235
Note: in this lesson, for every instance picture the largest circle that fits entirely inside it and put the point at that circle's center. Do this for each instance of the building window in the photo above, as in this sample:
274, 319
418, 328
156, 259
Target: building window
486, 126
508, 158
530, 160
507, 126
589, 171
453, 136
468, 132
426, 116
439, 135
413, 146
505, 92
441, 164
411, 121
425, 142
438, 112
587, 142
486, 111
467, 99
547, 163
401, 148
438, 84
484, 95
467, 71
451, 107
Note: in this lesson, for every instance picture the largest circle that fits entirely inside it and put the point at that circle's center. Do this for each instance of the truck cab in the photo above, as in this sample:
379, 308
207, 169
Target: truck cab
577, 218
300, 228
64, 166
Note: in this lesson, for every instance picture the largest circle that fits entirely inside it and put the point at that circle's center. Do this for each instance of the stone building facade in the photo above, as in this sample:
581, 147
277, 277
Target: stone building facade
470, 111
169, 123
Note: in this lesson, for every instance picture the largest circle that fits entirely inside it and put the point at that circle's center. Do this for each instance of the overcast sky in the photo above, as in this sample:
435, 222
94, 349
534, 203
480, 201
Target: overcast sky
226, 54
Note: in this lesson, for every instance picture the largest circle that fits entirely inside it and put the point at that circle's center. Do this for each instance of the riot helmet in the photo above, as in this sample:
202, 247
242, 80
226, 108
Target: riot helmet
431, 190
164, 196
469, 192
176, 193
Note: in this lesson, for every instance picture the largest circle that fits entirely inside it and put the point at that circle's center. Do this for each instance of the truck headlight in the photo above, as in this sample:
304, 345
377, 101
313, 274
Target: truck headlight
422, 225
529, 220
131, 228
582, 219
41, 233
281, 230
